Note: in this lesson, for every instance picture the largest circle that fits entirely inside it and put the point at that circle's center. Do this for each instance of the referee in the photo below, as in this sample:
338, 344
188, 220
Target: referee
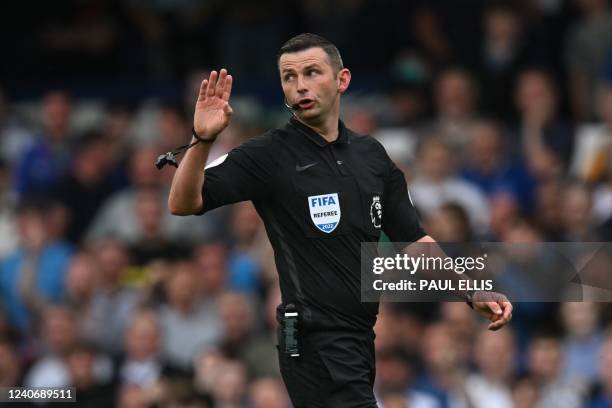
320, 190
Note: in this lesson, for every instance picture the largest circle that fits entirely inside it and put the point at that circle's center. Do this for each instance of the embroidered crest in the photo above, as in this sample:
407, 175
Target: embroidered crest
376, 211
325, 211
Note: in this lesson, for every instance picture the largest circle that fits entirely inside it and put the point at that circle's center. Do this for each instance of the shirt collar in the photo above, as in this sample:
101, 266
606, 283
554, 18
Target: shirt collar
317, 138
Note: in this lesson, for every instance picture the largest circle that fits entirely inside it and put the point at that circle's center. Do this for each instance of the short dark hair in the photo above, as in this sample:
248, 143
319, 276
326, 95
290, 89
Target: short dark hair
305, 41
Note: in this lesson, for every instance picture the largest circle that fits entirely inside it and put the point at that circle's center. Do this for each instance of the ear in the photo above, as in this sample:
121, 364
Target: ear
344, 79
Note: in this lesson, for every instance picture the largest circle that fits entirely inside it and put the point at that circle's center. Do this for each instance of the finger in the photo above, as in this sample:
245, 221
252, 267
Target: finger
228, 110
203, 86
495, 326
494, 307
228, 87
212, 83
507, 310
497, 323
221, 83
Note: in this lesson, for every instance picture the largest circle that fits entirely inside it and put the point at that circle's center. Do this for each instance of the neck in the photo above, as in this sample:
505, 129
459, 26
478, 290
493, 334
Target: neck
326, 126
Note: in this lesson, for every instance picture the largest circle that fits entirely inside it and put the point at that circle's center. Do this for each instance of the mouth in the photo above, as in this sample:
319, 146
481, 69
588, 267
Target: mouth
306, 103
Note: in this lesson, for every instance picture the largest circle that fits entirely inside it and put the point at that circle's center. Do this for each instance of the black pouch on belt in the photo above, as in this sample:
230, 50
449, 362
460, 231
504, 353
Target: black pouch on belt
288, 340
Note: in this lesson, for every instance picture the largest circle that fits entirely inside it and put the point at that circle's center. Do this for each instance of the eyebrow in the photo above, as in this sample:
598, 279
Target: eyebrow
309, 66
313, 65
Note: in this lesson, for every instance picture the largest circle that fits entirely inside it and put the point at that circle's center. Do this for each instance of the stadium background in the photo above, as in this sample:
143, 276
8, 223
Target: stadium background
500, 114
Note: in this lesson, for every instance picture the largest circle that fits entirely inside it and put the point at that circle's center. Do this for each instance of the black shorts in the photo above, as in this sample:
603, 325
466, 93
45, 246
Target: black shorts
336, 369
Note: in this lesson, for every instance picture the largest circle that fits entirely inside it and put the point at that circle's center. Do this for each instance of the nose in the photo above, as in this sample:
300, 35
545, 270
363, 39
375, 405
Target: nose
301, 85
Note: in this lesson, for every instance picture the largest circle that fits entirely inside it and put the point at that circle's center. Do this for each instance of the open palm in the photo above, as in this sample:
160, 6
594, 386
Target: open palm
213, 111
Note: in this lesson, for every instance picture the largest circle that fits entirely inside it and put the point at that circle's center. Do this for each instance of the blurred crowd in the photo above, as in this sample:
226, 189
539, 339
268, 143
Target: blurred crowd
499, 114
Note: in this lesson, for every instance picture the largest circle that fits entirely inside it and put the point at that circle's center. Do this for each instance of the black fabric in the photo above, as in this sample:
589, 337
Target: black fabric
281, 171
336, 369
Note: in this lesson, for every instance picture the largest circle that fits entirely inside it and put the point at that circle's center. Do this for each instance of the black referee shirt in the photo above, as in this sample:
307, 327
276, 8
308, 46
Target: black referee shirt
318, 201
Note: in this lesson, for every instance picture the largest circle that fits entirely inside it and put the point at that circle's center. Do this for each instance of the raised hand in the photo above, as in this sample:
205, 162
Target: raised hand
213, 111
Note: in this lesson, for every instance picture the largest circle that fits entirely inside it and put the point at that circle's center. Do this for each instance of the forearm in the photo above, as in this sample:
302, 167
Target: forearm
429, 245
186, 191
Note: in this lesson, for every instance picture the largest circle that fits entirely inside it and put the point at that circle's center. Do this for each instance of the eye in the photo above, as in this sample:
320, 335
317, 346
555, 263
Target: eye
288, 77
312, 72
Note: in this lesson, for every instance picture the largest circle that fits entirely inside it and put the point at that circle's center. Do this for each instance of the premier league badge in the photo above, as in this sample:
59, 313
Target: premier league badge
325, 211
376, 211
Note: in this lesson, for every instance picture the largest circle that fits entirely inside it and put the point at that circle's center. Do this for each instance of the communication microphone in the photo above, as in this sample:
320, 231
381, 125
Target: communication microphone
292, 108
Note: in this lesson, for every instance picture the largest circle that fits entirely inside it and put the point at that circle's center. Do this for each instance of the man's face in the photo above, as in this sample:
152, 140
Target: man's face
308, 80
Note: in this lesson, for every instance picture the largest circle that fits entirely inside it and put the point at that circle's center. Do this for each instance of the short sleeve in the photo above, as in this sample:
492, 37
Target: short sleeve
243, 174
400, 220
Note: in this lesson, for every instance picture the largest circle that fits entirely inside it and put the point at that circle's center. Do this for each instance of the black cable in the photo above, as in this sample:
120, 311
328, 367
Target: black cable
170, 157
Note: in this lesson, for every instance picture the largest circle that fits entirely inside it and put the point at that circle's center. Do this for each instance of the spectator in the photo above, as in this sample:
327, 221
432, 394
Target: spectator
394, 377
493, 171
540, 137
438, 184
525, 393
548, 213
210, 260
462, 326
582, 342
112, 304
587, 45
495, 356
46, 162
240, 339
33, 275
504, 49
243, 262
153, 243
82, 280
544, 362
450, 223
207, 366
229, 389
455, 102
576, 214
142, 364
444, 375
60, 335
505, 212
534, 272
86, 187
117, 132
407, 92
189, 327
90, 390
